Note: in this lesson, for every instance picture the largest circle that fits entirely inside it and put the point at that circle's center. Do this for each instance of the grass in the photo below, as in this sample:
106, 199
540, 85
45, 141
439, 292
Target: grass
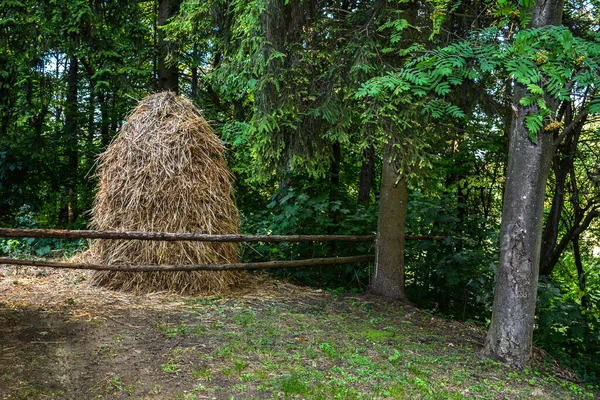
172, 331
116, 385
293, 344
347, 350
170, 367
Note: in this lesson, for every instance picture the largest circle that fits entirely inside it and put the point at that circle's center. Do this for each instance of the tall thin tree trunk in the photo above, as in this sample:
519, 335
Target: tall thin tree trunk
194, 67
71, 139
334, 188
562, 165
552, 228
194, 86
366, 175
168, 69
388, 278
510, 334
91, 118
104, 119
335, 164
155, 43
580, 271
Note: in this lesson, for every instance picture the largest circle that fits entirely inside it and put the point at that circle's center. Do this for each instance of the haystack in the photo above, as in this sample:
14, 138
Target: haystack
165, 171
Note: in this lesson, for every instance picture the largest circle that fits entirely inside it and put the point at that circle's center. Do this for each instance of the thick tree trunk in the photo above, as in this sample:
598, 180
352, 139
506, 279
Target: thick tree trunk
510, 335
511, 331
366, 175
388, 279
168, 70
272, 21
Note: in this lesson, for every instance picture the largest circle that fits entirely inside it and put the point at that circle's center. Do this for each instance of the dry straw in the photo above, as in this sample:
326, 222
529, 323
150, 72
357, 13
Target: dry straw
165, 171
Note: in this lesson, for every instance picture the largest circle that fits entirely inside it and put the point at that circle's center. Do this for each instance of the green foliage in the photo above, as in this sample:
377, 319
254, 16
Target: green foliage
568, 326
37, 44
545, 61
454, 276
30, 247
308, 207
568, 332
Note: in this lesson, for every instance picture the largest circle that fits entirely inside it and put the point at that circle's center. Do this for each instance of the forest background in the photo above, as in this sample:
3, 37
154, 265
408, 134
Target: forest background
312, 99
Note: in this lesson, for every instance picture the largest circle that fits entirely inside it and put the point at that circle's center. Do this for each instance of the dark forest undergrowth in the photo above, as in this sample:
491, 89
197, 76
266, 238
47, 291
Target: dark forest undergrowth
61, 338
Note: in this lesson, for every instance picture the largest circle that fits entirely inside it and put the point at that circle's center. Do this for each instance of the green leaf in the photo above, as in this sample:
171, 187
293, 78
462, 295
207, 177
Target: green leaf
527, 101
442, 88
534, 124
535, 89
594, 106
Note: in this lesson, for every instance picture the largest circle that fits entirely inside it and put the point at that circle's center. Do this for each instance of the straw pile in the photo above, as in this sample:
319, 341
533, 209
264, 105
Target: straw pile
165, 171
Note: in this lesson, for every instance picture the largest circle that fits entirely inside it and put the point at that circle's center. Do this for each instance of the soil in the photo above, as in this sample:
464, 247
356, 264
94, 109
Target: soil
62, 338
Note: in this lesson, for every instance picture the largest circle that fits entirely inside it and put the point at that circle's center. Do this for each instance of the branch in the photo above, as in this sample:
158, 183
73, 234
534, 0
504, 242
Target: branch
574, 231
197, 237
312, 262
569, 128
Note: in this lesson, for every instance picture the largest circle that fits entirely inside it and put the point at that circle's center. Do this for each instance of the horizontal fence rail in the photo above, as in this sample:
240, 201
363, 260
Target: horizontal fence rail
198, 237
313, 262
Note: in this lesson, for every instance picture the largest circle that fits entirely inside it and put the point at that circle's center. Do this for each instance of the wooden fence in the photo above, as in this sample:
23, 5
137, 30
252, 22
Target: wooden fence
171, 236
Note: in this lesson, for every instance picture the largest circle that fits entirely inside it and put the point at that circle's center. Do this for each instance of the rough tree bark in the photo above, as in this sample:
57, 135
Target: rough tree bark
388, 279
509, 337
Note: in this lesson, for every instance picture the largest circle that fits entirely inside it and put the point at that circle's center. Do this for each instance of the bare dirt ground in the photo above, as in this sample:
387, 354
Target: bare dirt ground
62, 338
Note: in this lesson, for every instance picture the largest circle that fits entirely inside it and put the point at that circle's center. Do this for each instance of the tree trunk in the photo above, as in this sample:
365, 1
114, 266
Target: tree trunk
334, 189
104, 119
562, 163
194, 85
155, 44
168, 69
510, 335
91, 120
194, 68
562, 166
388, 279
580, 272
71, 139
366, 175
